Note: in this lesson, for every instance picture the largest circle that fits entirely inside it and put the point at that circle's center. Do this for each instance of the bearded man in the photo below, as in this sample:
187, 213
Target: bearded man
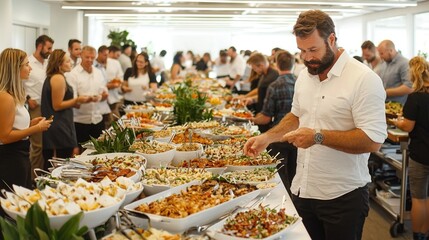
33, 88
371, 57
337, 119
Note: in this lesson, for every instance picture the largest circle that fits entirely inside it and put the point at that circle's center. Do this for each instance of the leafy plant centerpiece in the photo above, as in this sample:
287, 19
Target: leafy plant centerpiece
189, 105
118, 139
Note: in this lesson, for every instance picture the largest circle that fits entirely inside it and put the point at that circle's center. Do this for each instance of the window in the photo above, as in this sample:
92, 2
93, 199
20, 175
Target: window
421, 31
394, 29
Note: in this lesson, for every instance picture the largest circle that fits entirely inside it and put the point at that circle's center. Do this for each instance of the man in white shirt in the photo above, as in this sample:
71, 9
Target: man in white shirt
222, 66
100, 63
237, 66
158, 65
33, 88
86, 80
114, 75
75, 50
337, 119
124, 59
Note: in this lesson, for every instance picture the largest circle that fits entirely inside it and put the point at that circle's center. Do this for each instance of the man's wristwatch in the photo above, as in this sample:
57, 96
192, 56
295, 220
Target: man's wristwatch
318, 137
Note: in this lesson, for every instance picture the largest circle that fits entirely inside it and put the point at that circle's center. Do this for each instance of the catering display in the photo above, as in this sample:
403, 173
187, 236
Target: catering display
98, 201
195, 203
161, 179
94, 168
176, 160
393, 109
259, 223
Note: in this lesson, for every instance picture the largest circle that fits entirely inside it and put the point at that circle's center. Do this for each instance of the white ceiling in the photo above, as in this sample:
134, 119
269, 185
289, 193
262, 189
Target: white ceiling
221, 14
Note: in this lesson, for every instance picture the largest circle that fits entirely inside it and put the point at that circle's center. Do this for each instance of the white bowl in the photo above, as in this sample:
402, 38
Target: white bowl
91, 219
158, 160
131, 196
150, 190
178, 225
163, 139
181, 156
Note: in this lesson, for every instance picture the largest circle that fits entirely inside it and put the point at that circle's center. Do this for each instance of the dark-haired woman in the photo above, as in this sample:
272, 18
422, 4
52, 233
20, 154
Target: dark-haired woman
138, 80
58, 102
177, 69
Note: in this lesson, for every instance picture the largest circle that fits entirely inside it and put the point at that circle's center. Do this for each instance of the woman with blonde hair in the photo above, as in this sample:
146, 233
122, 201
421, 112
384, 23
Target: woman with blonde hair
415, 120
15, 124
58, 102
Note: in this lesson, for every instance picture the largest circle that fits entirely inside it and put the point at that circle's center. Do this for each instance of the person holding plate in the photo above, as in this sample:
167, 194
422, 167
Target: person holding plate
58, 103
139, 80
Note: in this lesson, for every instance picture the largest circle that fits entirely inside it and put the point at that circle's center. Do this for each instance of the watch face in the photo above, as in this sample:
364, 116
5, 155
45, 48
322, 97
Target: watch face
318, 138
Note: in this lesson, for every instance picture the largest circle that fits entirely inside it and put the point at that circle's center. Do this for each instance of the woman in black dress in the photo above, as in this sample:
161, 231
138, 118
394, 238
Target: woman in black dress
58, 102
415, 120
15, 124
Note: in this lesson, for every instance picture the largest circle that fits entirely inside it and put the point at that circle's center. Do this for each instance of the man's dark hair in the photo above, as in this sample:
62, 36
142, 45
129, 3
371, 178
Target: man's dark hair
125, 46
113, 48
368, 45
233, 49
276, 49
313, 20
247, 53
284, 60
222, 53
102, 48
71, 41
163, 53
42, 39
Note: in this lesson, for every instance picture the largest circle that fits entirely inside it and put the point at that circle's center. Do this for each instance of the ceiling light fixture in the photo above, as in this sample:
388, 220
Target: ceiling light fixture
192, 8
410, 3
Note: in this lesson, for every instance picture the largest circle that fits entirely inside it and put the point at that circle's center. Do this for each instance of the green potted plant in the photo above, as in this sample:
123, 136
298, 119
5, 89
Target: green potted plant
36, 226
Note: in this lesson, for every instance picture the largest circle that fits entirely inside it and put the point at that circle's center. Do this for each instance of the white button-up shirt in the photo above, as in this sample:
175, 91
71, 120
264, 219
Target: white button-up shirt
351, 97
237, 67
113, 70
104, 106
33, 86
87, 84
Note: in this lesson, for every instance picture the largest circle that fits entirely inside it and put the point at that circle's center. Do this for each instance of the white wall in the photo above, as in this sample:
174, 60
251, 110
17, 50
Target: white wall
65, 25
32, 12
5, 24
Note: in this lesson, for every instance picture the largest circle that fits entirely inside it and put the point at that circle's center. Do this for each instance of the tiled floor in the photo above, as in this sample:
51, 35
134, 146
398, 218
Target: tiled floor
377, 225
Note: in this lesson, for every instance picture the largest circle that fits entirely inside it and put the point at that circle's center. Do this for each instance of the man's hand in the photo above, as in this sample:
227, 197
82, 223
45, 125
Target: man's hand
104, 95
300, 138
126, 89
32, 104
255, 145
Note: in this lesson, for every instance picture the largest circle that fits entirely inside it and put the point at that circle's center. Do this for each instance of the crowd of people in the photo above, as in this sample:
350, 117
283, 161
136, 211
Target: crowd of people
321, 109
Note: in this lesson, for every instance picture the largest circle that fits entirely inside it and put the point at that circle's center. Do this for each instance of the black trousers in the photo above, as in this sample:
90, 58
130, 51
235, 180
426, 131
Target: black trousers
341, 218
84, 131
15, 166
289, 153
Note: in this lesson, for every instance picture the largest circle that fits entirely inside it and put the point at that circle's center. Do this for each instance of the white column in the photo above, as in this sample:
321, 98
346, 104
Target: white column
5, 24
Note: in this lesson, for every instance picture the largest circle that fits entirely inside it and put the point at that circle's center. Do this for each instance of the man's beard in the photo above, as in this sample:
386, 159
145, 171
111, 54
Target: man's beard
371, 60
44, 55
325, 63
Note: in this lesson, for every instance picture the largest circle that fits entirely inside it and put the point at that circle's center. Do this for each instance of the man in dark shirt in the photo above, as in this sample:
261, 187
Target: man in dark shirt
203, 64
277, 103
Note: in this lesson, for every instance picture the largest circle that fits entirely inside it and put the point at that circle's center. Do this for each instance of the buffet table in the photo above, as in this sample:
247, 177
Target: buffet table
274, 200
